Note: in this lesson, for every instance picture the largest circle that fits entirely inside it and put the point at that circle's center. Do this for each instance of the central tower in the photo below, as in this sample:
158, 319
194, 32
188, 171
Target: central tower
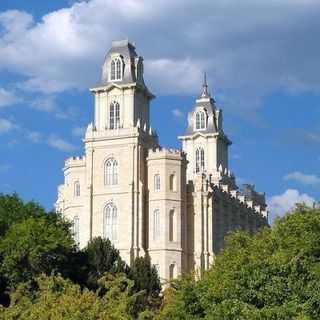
116, 145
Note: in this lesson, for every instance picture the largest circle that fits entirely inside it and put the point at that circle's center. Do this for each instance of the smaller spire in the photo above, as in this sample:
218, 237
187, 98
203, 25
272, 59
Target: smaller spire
205, 92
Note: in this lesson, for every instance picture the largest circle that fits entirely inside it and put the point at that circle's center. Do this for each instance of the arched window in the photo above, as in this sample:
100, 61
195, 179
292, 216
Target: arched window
114, 115
157, 182
116, 69
156, 224
171, 271
173, 182
199, 160
111, 222
76, 189
111, 172
172, 225
75, 229
200, 120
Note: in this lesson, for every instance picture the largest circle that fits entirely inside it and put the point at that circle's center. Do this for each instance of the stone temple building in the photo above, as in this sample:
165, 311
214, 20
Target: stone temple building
174, 205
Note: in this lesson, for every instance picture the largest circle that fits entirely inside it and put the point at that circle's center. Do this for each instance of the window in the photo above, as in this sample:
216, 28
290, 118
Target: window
171, 271
156, 224
157, 267
114, 115
173, 183
111, 172
76, 190
157, 182
200, 120
111, 222
199, 160
116, 69
172, 226
75, 229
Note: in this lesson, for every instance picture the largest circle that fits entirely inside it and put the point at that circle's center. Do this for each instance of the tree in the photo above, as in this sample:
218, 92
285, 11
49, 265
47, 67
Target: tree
55, 298
35, 246
145, 276
13, 210
274, 274
102, 257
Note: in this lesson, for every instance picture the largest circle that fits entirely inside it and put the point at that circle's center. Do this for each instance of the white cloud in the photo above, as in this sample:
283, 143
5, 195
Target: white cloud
307, 179
247, 49
6, 125
177, 113
7, 98
34, 136
60, 144
279, 205
78, 131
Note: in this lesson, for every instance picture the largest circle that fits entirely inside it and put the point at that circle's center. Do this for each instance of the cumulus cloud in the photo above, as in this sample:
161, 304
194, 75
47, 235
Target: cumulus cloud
6, 125
60, 144
7, 98
307, 179
248, 50
279, 205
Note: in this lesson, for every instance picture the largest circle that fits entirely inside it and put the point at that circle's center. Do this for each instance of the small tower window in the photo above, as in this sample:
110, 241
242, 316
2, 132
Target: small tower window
116, 69
76, 190
75, 229
114, 115
156, 224
157, 182
199, 160
111, 222
111, 172
173, 182
172, 226
171, 271
200, 120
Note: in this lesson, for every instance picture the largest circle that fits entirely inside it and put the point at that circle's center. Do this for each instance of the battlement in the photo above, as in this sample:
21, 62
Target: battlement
257, 204
163, 153
75, 162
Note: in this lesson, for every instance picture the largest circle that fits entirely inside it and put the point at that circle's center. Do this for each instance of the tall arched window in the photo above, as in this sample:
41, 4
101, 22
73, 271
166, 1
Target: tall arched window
111, 222
200, 120
76, 189
172, 225
157, 182
156, 224
75, 229
173, 182
114, 115
171, 271
116, 69
111, 172
199, 160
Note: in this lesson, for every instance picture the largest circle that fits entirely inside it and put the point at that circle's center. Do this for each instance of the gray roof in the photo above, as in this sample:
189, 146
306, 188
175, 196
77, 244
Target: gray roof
133, 64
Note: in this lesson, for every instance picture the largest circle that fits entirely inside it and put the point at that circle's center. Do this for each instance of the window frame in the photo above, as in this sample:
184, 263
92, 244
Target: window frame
111, 172
200, 120
110, 226
114, 115
156, 224
200, 160
76, 189
157, 182
116, 69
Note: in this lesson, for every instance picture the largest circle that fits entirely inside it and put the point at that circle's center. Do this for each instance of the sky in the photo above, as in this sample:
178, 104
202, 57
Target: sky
262, 64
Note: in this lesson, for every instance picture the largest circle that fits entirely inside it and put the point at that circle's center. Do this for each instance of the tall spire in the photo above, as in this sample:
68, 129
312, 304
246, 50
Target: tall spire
205, 92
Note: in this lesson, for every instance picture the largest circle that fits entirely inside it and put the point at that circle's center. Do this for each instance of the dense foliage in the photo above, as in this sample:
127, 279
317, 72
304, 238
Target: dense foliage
274, 274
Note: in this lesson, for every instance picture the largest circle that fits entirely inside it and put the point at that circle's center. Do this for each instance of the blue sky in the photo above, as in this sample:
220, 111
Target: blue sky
262, 65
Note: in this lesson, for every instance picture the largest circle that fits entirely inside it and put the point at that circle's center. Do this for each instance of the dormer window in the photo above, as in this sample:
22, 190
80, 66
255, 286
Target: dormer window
116, 69
200, 120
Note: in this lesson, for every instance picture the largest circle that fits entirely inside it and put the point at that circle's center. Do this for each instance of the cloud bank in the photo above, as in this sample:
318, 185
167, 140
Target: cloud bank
249, 50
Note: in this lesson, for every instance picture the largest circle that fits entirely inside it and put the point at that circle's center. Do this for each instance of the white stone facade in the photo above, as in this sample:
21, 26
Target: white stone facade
176, 206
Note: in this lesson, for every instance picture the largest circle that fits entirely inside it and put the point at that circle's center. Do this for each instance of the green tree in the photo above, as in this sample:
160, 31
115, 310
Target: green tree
35, 246
13, 210
55, 298
274, 274
145, 276
102, 257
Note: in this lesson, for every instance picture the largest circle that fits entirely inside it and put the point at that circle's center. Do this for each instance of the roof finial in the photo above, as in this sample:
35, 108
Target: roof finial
205, 92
